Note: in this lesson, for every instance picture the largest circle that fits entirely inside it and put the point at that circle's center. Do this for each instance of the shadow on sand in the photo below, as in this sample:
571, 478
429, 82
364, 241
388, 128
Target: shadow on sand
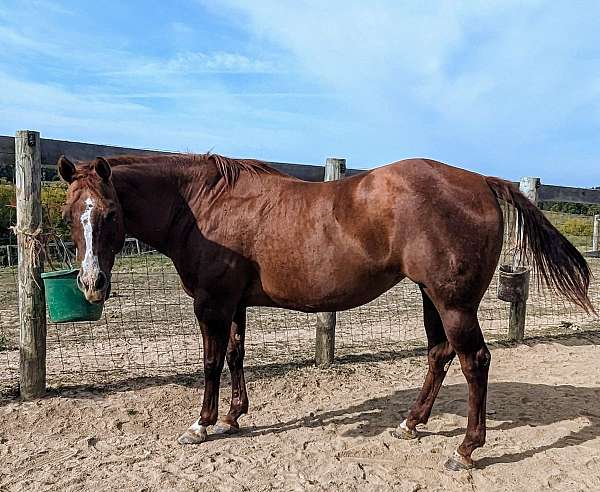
518, 404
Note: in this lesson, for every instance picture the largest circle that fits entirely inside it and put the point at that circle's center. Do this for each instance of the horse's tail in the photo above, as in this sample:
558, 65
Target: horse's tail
561, 266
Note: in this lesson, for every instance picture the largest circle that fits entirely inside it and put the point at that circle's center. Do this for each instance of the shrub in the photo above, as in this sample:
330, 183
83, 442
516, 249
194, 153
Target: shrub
577, 227
7, 211
53, 198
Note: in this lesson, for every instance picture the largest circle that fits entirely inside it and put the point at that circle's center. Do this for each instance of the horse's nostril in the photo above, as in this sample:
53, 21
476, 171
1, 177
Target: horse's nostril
100, 283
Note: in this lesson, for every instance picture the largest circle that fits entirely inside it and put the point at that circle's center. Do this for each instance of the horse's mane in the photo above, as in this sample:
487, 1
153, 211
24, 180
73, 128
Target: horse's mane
229, 168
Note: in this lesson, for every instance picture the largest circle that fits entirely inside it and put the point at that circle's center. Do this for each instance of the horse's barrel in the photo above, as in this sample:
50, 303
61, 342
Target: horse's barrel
513, 283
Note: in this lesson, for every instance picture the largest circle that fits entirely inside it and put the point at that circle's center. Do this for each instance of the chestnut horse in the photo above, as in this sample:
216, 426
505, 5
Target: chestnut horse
243, 234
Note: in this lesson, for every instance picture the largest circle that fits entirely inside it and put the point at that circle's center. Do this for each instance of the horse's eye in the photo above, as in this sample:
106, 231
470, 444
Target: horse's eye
110, 216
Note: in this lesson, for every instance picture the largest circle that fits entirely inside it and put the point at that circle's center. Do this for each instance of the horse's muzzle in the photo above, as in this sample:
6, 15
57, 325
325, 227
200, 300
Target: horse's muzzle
95, 289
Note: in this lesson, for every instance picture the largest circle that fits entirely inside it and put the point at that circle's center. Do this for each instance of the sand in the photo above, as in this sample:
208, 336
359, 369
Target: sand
312, 429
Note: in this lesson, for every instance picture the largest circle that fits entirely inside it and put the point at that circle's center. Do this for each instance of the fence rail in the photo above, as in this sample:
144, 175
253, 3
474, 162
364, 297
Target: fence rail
149, 325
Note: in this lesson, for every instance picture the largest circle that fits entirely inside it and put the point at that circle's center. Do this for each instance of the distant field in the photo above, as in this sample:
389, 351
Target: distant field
576, 228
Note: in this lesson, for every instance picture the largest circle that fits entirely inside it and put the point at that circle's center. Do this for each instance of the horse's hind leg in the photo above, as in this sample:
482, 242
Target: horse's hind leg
464, 334
439, 356
235, 361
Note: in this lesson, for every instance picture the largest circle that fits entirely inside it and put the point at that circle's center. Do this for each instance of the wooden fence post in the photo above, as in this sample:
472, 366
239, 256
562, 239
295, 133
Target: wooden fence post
32, 306
518, 309
325, 338
595, 239
530, 188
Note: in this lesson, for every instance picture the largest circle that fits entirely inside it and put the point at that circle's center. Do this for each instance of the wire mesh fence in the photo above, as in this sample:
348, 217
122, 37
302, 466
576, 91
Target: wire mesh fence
148, 325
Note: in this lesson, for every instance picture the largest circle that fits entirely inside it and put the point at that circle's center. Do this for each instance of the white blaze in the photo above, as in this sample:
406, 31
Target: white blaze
89, 265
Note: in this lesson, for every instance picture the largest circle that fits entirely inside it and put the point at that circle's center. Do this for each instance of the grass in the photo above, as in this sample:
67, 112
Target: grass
577, 229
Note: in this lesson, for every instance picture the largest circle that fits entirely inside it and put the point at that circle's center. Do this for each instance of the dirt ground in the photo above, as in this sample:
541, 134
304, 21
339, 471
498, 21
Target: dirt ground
311, 429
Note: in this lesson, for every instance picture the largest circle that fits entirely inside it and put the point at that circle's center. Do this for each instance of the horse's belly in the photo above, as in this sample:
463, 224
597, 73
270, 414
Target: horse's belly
328, 293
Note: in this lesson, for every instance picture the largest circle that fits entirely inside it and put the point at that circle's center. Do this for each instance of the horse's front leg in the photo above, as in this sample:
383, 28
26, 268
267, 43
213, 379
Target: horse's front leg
235, 361
215, 331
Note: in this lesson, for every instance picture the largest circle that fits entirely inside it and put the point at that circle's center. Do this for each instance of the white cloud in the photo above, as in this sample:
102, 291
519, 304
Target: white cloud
12, 38
105, 92
495, 86
189, 62
447, 79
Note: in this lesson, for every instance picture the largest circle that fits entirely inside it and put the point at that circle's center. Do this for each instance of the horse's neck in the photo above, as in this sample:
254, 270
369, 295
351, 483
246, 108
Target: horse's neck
170, 207
149, 198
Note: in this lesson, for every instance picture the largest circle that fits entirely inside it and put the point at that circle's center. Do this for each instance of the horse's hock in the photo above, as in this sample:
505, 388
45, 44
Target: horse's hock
513, 283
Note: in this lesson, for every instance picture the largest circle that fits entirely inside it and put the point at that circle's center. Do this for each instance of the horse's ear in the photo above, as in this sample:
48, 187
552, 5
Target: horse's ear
66, 169
102, 168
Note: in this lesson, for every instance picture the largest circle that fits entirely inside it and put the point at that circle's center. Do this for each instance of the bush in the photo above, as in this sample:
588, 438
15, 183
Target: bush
571, 208
577, 227
53, 198
8, 215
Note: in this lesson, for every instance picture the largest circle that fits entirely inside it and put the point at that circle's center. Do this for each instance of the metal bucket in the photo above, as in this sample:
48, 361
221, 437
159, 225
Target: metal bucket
513, 283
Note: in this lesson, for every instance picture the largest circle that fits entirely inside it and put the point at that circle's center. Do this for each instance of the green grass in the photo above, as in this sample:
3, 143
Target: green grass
151, 261
577, 229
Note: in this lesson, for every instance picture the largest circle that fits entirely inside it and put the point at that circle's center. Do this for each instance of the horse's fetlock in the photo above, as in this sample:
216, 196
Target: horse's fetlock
208, 417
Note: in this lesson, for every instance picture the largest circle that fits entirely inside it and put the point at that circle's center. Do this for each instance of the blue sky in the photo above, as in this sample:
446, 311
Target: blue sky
507, 88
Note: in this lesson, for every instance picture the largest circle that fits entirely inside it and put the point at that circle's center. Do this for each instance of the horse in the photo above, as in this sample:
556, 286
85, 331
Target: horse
241, 234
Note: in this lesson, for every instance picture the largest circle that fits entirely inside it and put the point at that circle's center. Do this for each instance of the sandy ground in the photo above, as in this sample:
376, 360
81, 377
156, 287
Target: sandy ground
311, 429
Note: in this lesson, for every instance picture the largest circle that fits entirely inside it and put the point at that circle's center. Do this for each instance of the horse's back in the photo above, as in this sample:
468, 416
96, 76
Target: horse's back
414, 199
342, 243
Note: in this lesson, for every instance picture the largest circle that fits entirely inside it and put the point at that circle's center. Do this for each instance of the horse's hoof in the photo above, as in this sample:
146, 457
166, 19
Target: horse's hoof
403, 432
222, 427
457, 462
196, 434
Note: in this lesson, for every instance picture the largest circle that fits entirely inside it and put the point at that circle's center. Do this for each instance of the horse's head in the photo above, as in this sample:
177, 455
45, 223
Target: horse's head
96, 220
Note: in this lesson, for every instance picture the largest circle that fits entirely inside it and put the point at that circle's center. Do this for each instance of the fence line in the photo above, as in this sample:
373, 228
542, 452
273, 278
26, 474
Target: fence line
149, 324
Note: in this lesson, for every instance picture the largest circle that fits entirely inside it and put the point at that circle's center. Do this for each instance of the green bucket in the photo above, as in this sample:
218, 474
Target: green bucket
64, 299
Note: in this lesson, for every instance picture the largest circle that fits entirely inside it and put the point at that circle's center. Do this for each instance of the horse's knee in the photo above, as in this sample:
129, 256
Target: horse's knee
212, 368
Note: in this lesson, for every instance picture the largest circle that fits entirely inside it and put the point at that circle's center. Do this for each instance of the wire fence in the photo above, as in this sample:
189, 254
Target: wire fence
148, 325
